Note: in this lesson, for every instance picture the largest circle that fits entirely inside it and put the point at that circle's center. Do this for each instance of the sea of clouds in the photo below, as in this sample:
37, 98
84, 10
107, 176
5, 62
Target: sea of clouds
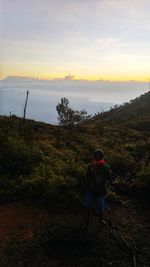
93, 96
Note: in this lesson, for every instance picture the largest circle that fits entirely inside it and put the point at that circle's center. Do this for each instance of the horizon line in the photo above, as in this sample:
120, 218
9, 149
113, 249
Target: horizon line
70, 78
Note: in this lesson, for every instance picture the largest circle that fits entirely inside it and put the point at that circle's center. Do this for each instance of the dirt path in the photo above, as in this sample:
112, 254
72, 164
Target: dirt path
20, 220
33, 236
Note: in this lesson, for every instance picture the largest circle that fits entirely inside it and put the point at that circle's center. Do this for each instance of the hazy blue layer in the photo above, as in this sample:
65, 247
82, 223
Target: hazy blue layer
44, 96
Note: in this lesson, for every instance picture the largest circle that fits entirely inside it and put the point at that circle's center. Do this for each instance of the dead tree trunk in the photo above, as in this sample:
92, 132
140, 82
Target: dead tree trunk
25, 106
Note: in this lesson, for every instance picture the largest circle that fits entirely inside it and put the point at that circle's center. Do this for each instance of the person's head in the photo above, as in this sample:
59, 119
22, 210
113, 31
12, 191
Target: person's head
98, 154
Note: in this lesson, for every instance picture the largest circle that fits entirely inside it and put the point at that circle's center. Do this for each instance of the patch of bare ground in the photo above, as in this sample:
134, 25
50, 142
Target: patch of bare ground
36, 235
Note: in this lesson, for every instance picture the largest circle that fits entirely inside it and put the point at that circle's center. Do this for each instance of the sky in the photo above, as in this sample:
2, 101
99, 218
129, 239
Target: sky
75, 39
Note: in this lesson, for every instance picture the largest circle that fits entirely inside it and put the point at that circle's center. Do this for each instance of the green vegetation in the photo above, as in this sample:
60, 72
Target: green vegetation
69, 117
40, 160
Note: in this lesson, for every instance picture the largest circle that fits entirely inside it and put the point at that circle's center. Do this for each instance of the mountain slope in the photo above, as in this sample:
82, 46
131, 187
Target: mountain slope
135, 113
41, 158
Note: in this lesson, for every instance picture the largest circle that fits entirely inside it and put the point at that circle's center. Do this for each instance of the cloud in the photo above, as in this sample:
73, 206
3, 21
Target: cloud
69, 77
19, 79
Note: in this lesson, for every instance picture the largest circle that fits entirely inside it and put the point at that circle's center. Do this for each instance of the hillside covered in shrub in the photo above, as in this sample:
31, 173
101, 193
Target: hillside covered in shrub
41, 160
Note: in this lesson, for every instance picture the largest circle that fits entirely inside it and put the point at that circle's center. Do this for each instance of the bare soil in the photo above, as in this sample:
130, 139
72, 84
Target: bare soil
33, 234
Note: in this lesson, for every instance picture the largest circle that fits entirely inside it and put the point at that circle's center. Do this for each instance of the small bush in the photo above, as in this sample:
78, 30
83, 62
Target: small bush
122, 163
144, 175
111, 195
17, 158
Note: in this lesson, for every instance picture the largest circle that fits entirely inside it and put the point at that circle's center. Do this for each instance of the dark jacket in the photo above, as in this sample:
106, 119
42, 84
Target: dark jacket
98, 172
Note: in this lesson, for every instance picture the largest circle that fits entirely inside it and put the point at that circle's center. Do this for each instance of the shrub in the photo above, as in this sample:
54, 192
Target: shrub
17, 158
122, 163
111, 195
144, 175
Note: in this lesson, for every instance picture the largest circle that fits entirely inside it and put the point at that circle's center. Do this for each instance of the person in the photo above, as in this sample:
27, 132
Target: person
98, 172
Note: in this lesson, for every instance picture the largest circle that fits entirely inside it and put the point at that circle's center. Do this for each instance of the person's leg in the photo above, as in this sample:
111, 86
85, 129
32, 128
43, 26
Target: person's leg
100, 207
88, 201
